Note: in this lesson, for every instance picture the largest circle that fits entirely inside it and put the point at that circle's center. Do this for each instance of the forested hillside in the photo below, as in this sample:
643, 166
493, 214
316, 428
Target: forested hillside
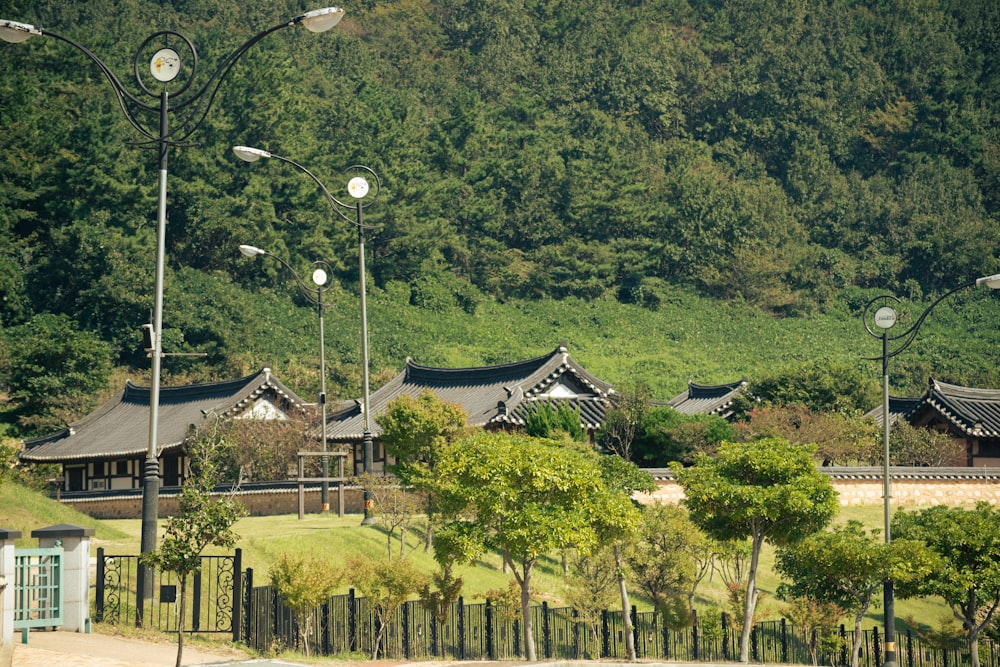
652, 181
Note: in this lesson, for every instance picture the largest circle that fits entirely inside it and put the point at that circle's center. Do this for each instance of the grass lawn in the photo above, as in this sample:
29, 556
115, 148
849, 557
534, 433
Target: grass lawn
263, 539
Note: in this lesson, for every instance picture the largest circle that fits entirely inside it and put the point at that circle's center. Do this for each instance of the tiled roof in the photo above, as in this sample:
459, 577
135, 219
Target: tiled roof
899, 408
488, 394
120, 427
974, 412
700, 399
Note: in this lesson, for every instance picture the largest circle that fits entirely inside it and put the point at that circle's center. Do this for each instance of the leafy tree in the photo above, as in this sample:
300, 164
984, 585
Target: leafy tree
418, 432
440, 593
386, 586
394, 507
820, 386
523, 497
548, 421
915, 446
53, 370
667, 435
817, 621
623, 422
201, 521
847, 567
304, 583
967, 576
840, 439
764, 490
592, 586
671, 555
617, 525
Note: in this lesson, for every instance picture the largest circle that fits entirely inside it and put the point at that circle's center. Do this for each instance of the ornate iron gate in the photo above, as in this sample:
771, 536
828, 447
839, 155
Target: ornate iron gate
213, 595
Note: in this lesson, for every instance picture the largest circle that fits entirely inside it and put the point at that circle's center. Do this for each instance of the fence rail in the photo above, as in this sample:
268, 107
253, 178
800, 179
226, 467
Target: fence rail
212, 595
482, 631
224, 599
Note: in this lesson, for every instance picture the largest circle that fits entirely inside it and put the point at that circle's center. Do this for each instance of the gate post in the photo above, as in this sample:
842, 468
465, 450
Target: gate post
7, 537
75, 541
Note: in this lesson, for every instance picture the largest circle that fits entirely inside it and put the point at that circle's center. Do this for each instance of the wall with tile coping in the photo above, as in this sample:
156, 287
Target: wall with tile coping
905, 492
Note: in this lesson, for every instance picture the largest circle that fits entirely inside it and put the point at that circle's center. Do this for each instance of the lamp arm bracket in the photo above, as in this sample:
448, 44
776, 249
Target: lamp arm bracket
126, 99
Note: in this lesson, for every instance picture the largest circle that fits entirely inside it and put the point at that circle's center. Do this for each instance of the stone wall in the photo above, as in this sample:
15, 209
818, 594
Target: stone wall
259, 502
910, 492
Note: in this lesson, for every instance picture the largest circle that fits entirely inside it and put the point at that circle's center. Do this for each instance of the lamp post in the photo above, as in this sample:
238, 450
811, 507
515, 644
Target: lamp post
152, 121
320, 278
879, 317
358, 188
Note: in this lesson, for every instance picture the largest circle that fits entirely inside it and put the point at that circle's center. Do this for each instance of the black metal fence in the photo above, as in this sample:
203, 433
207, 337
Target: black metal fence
211, 595
346, 623
223, 599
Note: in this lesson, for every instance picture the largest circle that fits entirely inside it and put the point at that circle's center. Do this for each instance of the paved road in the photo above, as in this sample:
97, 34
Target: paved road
74, 649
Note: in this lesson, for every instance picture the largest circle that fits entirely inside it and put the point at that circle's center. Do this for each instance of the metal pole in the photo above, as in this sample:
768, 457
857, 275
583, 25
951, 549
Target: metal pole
366, 438
151, 472
887, 591
325, 492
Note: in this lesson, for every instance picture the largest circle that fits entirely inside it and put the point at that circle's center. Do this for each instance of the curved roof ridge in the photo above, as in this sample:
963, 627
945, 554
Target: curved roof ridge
961, 391
415, 370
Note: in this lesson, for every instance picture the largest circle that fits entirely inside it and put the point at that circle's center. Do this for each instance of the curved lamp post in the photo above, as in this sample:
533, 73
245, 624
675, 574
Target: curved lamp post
359, 190
151, 120
321, 280
879, 316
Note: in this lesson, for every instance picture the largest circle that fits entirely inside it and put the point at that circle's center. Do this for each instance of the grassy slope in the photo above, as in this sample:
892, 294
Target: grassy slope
263, 539
24, 510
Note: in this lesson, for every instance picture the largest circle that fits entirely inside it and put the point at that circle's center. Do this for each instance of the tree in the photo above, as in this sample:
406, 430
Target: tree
523, 497
201, 521
847, 566
817, 621
840, 439
546, 420
765, 490
53, 370
623, 423
394, 506
386, 586
304, 583
417, 432
665, 558
617, 524
592, 587
667, 435
967, 577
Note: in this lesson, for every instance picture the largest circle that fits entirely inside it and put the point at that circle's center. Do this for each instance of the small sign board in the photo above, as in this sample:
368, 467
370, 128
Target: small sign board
168, 593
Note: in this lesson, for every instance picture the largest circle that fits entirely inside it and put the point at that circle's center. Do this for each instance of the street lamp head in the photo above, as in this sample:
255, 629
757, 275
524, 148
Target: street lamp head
321, 20
15, 33
358, 187
250, 251
248, 154
319, 277
993, 282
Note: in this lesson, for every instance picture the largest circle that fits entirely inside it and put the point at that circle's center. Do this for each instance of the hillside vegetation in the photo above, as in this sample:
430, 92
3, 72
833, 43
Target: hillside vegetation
679, 189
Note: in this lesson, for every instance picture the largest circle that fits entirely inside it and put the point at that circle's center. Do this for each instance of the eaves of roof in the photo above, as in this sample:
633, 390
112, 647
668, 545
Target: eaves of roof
120, 427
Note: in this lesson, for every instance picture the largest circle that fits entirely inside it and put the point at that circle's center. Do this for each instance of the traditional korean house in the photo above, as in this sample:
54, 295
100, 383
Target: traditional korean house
967, 413
107, 449
706, 399
492, 396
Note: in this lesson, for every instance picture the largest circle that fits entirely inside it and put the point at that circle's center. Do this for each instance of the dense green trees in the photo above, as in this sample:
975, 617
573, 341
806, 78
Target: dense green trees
763, 490
771, 153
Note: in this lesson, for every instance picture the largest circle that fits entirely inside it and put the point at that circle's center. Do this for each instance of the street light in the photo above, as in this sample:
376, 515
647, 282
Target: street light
162, 51
877, 323
358, 188
320, 278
